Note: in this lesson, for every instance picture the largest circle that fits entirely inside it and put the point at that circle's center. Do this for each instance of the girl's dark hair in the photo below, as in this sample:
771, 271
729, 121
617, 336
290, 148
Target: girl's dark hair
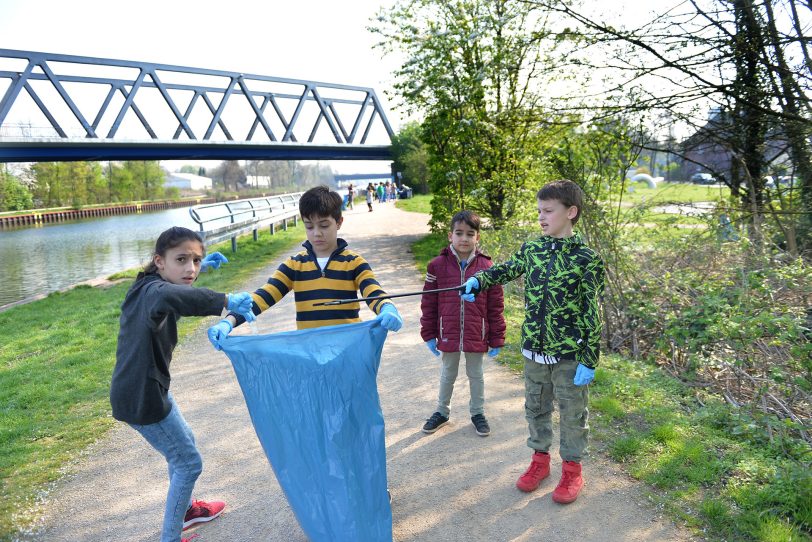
565, 191
320, 201
169, 239
469, 217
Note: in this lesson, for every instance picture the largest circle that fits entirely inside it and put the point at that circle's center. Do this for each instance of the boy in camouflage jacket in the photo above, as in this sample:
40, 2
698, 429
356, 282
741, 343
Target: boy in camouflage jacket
561, 333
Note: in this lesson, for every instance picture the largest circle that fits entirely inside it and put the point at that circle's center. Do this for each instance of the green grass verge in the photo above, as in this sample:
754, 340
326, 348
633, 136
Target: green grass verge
698, 463
675, 193
694, 453
55, 365
417, 204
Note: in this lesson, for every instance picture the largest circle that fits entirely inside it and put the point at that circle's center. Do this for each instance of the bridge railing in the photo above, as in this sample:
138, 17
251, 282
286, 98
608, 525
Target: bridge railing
230, 219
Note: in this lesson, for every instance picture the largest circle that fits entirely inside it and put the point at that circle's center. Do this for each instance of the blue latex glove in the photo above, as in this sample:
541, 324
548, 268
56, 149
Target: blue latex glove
218, 332
241, 303
471, 289
213, 260
432, 345
390, 317
493, 352
583, 375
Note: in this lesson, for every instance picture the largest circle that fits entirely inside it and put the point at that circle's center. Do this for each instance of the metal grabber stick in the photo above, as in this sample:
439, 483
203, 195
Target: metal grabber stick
460, 288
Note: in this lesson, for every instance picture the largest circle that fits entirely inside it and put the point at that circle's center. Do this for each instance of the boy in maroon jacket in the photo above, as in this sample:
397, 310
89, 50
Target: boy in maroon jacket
451, 326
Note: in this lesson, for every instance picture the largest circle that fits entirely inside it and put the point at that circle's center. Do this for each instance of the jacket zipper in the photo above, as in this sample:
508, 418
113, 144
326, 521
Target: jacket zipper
330, 257
544, 293
462, 307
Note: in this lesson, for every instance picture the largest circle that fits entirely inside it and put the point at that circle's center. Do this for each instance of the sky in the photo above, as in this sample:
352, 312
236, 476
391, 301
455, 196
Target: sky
318, 40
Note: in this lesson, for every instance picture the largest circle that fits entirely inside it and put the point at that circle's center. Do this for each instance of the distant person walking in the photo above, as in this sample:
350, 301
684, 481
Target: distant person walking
350, 197
370, 196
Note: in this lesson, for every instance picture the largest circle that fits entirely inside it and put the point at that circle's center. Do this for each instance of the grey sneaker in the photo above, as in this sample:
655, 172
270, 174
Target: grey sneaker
434, 423
481, 424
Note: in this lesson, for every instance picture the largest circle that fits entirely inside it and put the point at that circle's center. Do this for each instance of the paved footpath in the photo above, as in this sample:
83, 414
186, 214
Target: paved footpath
450, 486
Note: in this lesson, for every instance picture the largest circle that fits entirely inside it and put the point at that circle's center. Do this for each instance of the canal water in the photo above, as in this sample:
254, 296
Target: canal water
51, 257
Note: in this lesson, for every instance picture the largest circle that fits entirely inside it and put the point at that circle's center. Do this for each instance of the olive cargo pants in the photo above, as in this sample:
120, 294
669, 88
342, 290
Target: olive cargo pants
543, 384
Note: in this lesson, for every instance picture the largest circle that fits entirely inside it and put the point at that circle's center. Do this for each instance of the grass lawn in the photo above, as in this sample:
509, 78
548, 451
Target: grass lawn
55, 365
418, 204
675, 193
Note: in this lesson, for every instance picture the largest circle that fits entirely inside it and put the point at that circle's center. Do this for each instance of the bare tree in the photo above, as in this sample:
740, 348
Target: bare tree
736, 57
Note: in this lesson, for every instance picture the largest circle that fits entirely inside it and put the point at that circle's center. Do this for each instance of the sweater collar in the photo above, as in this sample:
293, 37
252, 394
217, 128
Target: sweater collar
342, 244
563, 242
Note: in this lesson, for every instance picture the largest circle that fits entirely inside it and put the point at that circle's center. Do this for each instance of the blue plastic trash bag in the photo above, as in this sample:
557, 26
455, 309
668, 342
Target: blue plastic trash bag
313, 400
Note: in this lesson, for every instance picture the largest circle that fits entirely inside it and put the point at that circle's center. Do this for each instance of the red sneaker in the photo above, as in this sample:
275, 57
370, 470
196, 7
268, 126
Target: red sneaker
571, 483
202, 511
190, 538
539, 470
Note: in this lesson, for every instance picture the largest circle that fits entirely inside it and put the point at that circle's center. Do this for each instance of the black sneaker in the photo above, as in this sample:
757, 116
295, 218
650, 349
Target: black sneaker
481, 424
434, 423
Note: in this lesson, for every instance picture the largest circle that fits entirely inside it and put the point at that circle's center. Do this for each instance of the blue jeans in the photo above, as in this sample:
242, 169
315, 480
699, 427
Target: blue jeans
174, 440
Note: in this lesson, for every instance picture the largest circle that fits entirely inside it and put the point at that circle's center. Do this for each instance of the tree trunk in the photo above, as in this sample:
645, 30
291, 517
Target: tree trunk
796, 129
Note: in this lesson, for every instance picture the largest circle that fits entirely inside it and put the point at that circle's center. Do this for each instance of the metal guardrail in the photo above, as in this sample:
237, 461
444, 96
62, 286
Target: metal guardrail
230, 219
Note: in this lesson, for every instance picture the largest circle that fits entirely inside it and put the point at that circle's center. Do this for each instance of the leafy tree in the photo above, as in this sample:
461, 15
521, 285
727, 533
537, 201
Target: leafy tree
411, 157
14, 196
48, 190
147, 179
122, 183
470, 71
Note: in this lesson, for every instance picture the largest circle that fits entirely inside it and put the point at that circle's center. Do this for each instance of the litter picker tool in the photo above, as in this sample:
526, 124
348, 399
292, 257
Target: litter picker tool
459, 288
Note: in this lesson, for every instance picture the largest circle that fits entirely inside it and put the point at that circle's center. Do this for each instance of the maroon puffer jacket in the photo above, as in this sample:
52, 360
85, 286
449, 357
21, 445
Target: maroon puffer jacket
445, 313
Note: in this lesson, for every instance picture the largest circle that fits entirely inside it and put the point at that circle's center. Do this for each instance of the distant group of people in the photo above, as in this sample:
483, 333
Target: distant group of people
375, 192
563, 281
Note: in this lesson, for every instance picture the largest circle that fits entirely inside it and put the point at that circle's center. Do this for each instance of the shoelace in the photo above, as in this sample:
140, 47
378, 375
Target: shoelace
189, 539
534, 469
200, 506
566, 479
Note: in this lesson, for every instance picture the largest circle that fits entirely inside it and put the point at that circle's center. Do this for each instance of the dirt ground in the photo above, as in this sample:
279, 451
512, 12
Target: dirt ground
450, 486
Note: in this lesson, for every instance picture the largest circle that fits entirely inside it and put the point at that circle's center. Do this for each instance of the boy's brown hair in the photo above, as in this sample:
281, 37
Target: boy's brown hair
565, 191
469, 217
320, 201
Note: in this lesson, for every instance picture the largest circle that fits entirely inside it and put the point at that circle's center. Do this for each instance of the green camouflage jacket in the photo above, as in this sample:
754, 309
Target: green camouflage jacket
563, 281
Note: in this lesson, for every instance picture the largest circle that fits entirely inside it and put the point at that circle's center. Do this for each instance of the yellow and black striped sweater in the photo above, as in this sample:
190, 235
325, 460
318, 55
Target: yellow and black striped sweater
345, 274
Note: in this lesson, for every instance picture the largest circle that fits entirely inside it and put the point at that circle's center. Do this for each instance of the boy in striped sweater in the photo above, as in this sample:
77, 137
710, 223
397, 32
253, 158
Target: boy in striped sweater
325, 270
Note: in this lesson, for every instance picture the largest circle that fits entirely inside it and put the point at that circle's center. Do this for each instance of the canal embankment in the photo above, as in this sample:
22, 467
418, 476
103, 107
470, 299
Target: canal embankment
63, 214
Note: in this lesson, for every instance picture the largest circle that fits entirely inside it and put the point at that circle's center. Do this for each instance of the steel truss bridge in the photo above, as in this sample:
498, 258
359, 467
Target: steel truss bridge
58, 107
